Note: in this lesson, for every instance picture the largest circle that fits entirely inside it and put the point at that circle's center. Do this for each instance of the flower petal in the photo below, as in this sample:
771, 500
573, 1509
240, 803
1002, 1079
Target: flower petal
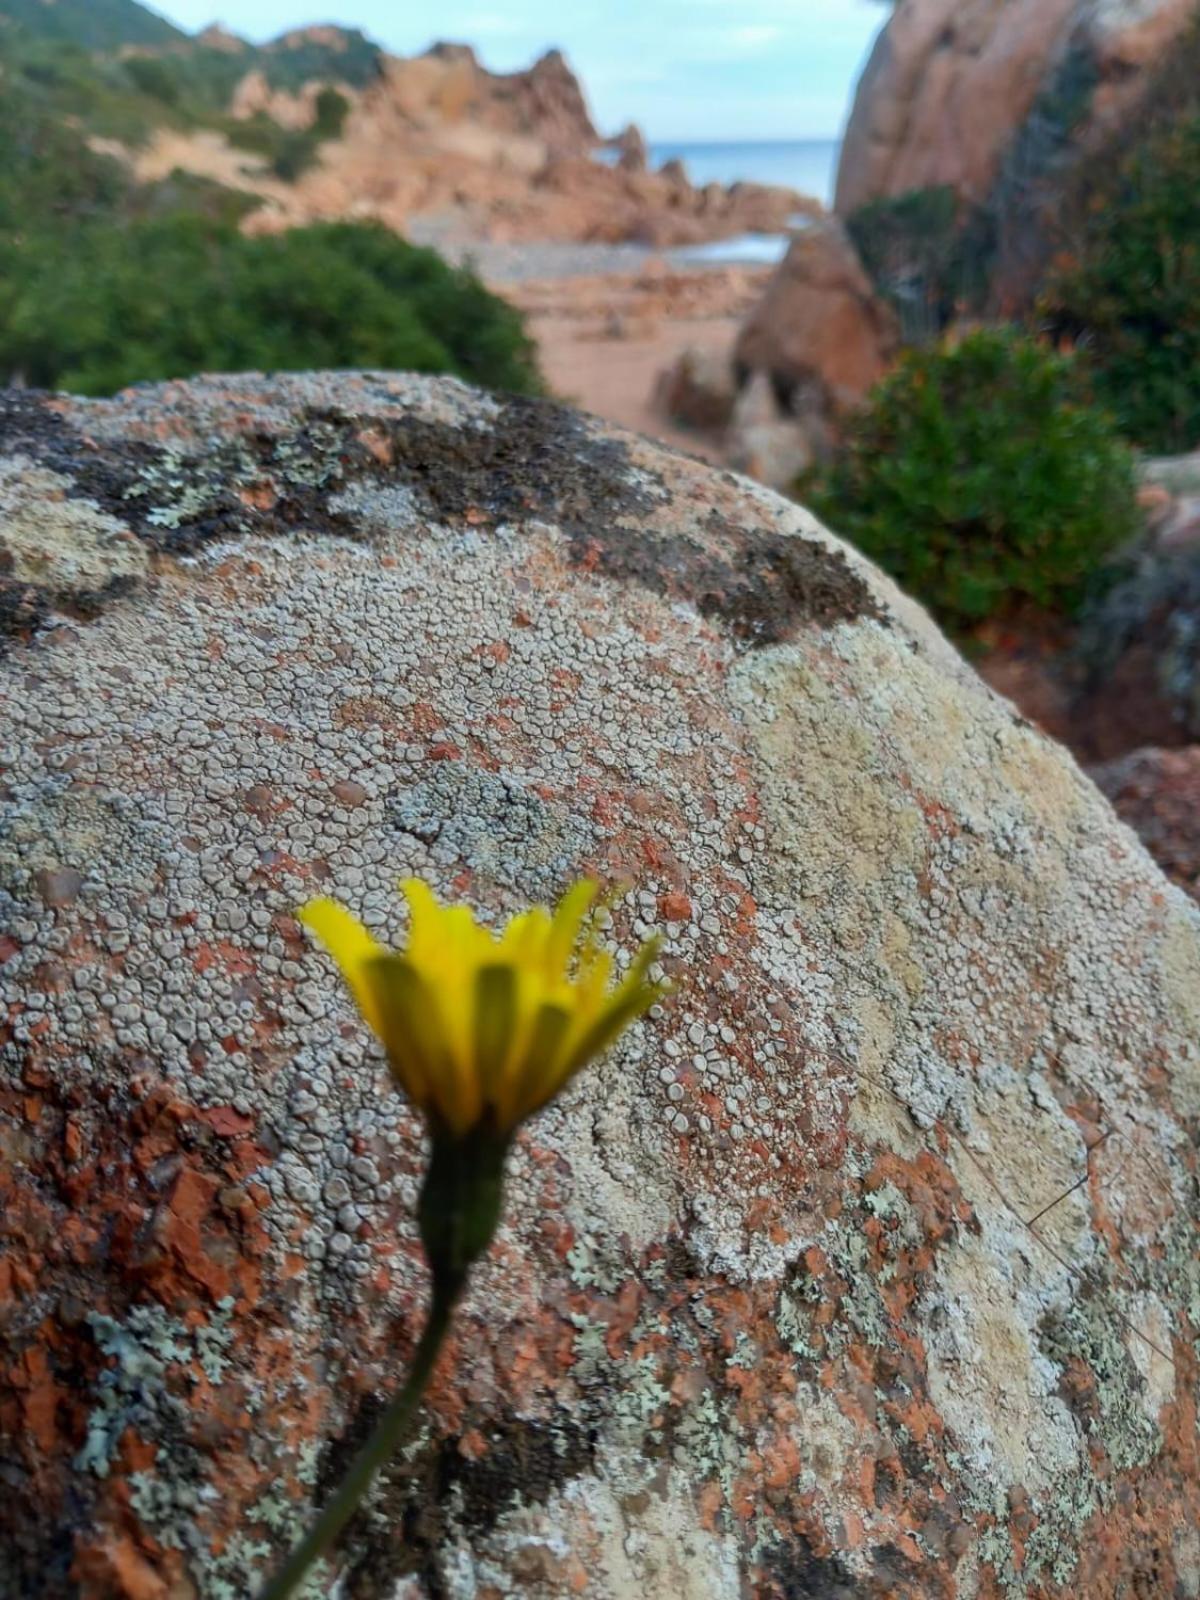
351, 946
414, 1034
495, 1018
532, 1082
634, 997
564, 929
407, 1029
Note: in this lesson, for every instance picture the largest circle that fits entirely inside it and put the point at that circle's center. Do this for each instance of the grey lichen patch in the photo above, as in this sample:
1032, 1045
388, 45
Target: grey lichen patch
494, 824
57, 553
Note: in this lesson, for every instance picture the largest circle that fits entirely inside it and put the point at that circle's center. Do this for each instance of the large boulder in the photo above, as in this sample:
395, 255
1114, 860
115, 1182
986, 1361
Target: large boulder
951, 83
865, 1267
820, 331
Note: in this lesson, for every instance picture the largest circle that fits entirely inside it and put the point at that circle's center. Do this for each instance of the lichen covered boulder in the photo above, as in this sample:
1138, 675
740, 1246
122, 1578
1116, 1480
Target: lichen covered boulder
865, 1266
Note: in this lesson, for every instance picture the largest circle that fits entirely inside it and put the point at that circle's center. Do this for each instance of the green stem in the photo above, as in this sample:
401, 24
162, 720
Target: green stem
377, 1452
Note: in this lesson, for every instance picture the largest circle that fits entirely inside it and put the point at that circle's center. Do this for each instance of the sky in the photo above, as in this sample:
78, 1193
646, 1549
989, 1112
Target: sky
681, 69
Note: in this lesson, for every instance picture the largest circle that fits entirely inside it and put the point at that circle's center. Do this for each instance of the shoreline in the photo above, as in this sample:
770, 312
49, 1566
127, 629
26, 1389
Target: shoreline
503, 263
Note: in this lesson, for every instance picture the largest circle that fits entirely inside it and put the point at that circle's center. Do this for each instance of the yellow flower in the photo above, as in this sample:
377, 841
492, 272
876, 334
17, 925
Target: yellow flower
482, 1030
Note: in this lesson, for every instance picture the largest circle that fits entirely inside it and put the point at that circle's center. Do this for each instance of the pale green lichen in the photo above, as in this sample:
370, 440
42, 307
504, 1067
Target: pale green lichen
708, 1443
131, 1392
1088, 1330
862, 1306
1050, 1551
793, 1319
188, 489
594, 1267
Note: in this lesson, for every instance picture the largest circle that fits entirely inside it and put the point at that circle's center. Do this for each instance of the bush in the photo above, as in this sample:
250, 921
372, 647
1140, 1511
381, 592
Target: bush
291, 151
96, 308
980, 477
1131, 298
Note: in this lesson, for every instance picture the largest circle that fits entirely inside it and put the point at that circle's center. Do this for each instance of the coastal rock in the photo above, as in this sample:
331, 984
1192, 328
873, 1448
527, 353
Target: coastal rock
769, 443
254, 97
820, 331
630, 145
483, 156
697, 390
1157, 792
866, 1265
951, 82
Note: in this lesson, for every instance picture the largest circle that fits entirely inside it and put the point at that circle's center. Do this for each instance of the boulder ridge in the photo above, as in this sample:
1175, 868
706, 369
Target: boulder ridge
866, 1266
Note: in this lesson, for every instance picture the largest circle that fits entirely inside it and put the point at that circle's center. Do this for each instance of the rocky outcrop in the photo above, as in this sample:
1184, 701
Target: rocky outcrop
448, 86
865, 1266
820, 331
951, 84
216, 37
630, 148
483, 156
697, 390
254, 97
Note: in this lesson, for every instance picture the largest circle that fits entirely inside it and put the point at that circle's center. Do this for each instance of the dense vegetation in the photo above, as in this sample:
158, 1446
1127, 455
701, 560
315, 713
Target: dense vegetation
104, 282
1130, 298
980, 477
95, 309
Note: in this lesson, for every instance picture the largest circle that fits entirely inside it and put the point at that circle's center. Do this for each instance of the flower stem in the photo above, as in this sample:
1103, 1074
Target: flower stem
377, 1452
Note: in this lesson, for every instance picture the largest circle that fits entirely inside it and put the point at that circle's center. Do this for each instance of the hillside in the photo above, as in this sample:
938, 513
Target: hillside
91, 24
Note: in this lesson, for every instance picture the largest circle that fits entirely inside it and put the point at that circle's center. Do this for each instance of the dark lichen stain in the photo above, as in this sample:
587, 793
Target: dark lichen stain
441, 1488
541, 462
798, 1573
760, 585
534, 462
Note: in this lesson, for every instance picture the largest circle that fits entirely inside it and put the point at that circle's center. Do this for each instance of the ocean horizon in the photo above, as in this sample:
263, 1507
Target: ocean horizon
806, 165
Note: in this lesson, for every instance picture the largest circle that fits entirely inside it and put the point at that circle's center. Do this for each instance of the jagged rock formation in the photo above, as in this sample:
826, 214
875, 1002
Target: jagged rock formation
867, 1266
492, 155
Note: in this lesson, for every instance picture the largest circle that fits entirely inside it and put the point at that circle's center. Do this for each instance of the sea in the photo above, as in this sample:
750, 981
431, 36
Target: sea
807, 165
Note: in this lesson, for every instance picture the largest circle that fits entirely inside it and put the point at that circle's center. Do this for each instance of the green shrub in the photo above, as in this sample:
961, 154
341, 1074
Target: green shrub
1130, 298
980, 477
96, 308
291, 151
